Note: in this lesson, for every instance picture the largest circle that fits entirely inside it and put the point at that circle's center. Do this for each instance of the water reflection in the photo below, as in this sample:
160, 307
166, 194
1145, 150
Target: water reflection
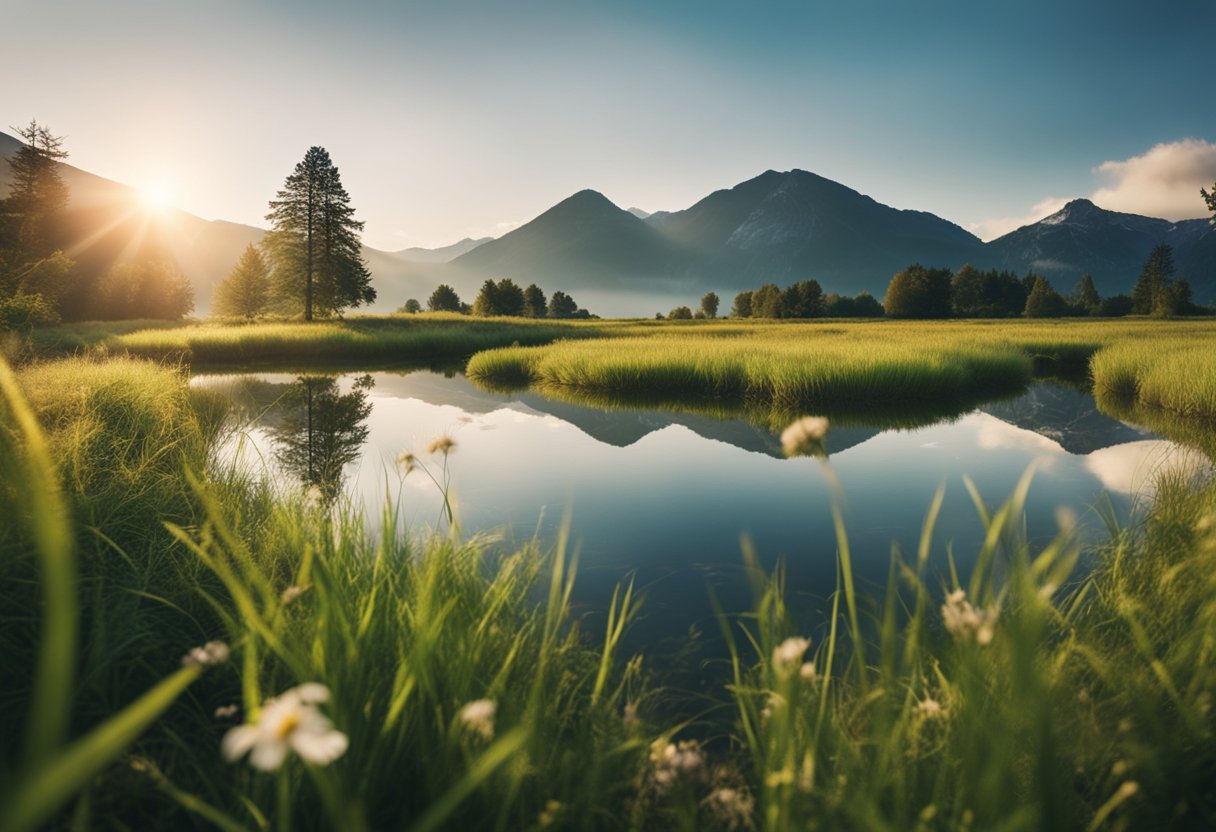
315, 429
665, 494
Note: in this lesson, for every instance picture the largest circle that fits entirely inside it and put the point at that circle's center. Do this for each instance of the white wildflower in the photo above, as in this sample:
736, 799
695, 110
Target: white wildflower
209, 655
673, 763
289, 722
965, 622
788, 654
226, 711
808, 672
731, 808
478, 717
775, 703
930, 708
804, 436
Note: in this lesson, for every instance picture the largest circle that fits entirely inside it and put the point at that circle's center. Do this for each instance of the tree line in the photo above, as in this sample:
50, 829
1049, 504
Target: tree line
922, 292
501, 298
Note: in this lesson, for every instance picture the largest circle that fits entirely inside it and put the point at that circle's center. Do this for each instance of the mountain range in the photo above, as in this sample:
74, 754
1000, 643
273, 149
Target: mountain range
777, 227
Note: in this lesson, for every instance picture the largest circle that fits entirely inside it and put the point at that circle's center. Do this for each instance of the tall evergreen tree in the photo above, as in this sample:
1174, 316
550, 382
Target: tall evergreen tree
1210, 198
562, 305
37, 194
1044, 301
1154, 278
314, 243
535, 303
1087, 295
245, 292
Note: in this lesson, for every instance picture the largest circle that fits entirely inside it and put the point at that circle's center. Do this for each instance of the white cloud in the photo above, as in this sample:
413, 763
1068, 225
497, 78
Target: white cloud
991, 229
1164, 182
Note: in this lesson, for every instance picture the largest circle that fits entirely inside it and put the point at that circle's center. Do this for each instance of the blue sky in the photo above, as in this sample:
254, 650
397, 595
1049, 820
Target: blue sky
459, 118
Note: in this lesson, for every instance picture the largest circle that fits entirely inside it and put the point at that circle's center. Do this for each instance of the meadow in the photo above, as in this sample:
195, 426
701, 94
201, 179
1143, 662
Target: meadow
459, 689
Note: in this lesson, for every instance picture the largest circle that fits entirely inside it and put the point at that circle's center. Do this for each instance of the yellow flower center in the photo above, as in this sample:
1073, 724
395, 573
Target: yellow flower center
288, 725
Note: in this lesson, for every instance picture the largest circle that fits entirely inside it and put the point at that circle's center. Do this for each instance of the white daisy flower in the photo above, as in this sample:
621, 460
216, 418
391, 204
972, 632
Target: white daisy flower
290, 722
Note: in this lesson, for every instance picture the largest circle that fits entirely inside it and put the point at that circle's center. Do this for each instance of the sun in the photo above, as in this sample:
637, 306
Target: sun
157, 197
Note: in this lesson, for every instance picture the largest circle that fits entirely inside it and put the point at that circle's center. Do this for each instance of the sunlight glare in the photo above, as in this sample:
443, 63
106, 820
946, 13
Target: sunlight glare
157, 197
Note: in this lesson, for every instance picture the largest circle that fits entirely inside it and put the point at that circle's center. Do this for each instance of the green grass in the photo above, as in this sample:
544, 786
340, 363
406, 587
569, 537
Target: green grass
357, 340
1089, 708
832, 365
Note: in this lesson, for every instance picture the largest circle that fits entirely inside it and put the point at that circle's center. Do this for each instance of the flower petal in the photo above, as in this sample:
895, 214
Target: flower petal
268, 754
310, 693
237, 741
319, 747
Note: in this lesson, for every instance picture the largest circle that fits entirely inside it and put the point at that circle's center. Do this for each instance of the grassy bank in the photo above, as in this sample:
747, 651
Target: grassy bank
364, 340
830, 365
160, 552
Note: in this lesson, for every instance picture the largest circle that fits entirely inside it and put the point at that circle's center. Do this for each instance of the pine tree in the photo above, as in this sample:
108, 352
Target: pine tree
1210, 198
535, 303
37, 194
245, 292
1044, 301
1154, 278
562, 305
314, 243
1087, 295
486, 302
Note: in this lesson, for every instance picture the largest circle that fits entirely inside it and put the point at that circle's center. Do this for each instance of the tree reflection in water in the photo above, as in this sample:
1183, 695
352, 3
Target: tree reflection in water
321, 429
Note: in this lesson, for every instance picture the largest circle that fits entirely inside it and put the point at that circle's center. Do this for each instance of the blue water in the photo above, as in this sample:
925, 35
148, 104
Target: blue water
668, 498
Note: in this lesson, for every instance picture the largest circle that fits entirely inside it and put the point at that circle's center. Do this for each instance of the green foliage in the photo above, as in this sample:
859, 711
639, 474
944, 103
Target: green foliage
918, 292
742, 307
411, 307
1209, 197
803, 300
503, 298
767, 302
1154, 278
151, 289
37, 195
23, 312
444, 299
314, 242
1087, 297
1116, 306
535, 303
864, 305
680, 313
562, 305
990, 294
1044, 301
709, 305
245, 292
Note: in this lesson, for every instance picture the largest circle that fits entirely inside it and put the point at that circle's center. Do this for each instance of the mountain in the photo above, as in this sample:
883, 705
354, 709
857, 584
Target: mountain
1081, 237
442, 254
776, 227
584, 241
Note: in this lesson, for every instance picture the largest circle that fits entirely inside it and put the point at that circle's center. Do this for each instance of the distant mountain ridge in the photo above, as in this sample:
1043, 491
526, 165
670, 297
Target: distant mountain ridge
1081, 237
776, 227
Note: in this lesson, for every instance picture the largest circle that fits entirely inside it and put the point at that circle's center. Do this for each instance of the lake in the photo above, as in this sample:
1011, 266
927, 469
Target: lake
667, 496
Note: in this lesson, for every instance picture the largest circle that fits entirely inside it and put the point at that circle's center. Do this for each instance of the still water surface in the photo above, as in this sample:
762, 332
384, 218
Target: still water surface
667, 497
